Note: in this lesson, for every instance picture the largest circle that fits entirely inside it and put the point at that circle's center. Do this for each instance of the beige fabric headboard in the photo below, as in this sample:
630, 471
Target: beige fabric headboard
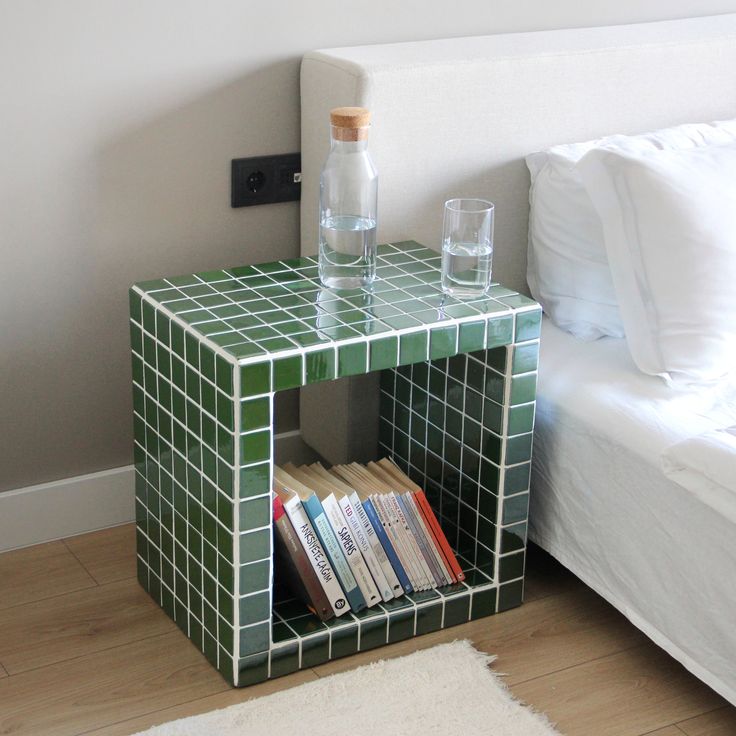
456, 117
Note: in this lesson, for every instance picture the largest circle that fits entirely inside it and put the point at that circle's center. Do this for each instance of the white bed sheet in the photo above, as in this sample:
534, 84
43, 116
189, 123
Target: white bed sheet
602, 505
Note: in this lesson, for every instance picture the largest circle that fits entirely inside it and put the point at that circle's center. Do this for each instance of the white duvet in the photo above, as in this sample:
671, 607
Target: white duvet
663, 551
706, 466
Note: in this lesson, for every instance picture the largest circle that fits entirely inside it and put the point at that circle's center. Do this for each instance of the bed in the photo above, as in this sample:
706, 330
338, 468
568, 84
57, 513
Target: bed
456, 117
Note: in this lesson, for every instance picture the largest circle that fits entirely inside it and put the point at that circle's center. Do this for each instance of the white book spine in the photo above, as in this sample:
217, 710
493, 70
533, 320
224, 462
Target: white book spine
378, 550
351, 516
428, 539
320, 562
425, 573
401, 543
352, 553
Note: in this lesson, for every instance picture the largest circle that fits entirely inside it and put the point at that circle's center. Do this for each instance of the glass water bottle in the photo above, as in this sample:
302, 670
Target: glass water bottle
347, 204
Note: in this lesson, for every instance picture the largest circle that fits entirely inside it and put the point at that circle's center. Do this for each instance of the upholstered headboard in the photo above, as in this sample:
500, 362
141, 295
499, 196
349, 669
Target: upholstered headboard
456, 117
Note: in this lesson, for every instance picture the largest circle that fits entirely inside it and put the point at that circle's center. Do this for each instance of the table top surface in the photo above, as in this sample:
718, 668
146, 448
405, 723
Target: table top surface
252, 313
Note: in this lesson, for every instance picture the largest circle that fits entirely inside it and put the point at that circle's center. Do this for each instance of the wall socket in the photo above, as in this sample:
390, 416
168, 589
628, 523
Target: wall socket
266, 179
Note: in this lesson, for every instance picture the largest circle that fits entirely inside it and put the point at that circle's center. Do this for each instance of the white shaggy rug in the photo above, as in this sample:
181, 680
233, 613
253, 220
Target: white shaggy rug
445, 690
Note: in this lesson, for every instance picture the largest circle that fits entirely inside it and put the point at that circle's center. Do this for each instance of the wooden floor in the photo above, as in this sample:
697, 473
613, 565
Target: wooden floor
84, 651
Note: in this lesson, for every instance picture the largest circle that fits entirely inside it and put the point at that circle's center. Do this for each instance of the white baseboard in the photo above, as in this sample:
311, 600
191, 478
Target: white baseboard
71, 506
66, 507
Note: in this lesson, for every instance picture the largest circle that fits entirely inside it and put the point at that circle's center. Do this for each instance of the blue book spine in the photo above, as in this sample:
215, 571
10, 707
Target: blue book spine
393, 558
331, 546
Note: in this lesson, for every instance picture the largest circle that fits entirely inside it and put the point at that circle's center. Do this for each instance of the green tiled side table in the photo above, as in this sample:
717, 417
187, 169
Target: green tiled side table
457, 410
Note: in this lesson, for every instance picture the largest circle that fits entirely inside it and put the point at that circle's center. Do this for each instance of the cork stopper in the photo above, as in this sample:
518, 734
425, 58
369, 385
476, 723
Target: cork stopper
350, 123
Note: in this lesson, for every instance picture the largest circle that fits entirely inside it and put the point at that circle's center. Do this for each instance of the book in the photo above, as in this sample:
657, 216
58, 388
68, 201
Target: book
437, 555
383, 493
434, 524
426, 539
437, 577
355, 515
381, 520
313, 547
340, 526
300, 575
377, 547
316, 513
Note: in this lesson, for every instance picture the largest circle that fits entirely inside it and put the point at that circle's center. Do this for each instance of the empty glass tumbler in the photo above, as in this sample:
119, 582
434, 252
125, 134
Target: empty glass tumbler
347, 203
467, 247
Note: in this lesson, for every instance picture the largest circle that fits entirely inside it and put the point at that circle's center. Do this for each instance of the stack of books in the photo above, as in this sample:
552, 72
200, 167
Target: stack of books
355, 535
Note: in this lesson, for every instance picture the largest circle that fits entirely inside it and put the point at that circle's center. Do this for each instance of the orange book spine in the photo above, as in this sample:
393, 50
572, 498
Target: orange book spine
442, 544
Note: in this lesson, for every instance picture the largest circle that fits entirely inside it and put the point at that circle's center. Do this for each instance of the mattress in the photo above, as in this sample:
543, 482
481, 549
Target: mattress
602, 505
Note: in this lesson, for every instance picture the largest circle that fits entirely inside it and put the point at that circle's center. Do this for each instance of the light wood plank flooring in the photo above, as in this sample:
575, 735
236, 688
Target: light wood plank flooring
83, 650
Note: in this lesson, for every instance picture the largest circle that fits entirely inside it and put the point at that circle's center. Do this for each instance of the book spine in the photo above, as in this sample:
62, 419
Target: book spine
434, 542
444, 545
436, 577
320, 562
379, 551
425, 573
345, 538
387, 545
398, 538
374, 569
332, 547
445, 576
303, 577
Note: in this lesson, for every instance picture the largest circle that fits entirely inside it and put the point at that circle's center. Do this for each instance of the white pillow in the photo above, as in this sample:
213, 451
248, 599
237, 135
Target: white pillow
669, 222
568, 269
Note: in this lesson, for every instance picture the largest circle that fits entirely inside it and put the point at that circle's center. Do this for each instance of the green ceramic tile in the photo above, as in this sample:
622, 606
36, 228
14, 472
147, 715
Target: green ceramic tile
472, 336
401, 625
413, 347
224, 410
457, 610
285, 659
255, 447
254, 513
254, 608
352, 359
510, 595
255, 545
287, 373
523, 388
255, 414
483, 603
320, 365
224, 375
245, 350
528, 325
525, 358
500, 331
254, 480
429, 618
384, 353
443, 341
517, 479
518, 449
513, 538
255, 576
255, 378
373, 633
515, 508
315, 650
254, 639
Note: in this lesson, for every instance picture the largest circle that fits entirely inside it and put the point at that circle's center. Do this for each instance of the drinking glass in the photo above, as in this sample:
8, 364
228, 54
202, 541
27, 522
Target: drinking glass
467, 247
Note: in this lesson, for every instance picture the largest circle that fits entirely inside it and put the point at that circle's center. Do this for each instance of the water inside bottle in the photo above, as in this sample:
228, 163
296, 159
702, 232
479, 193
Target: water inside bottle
347, 247
466, 268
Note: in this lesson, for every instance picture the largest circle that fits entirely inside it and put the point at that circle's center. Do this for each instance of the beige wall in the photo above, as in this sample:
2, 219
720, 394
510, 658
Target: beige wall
117, 124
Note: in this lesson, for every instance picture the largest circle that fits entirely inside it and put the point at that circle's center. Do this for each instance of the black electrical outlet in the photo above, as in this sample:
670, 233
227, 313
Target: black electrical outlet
266, 179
